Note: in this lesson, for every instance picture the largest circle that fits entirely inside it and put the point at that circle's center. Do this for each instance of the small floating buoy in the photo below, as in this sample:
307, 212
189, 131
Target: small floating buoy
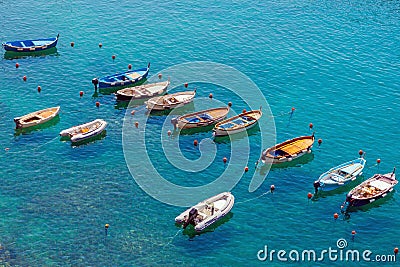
360, 152
319, 142
159, 76
210, 95
113, 57
353, 232
396, 250
100, 45
97, 104
129, 66
136, 124
7, 148
309, 195
24, 78
195, 142
246, 169
95, 82
293, 109
311, 125
335, 216
81, 93
229, 104
378, 161
16, 65
133, 112
272, 188
186, 85
169, 132
106, 228
72, 44
39, 89
244, 110
224, 159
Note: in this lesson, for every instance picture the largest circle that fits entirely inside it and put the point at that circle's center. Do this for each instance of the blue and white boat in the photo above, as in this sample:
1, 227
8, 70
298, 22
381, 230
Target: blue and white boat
124, 78
33, 45
340, 175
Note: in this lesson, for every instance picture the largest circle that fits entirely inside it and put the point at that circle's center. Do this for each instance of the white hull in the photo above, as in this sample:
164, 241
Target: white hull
85, 131
220, 204
36, 118
170, 101
220, 132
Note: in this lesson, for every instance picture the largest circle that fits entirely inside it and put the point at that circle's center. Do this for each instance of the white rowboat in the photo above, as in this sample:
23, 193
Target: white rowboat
170, 101
85, 131
36, 117
207, 212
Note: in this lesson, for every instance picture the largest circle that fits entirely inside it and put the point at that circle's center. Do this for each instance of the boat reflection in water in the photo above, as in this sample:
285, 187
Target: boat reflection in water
191, 232
9, 55
39, 127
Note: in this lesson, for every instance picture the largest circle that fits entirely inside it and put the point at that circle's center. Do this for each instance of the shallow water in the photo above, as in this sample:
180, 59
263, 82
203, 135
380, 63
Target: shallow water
336, 62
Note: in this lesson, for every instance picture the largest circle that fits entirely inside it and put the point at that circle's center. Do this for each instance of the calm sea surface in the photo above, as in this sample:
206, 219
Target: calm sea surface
336, 62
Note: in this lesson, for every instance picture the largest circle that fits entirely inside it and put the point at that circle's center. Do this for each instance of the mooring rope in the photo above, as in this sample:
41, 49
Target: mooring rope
247, 200
28, 150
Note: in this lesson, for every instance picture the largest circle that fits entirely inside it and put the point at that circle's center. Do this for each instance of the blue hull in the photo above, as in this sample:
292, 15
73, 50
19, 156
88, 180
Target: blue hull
33, 45
124, 78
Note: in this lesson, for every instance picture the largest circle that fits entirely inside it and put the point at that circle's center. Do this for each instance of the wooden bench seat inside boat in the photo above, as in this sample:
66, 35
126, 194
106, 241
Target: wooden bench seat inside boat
133, 76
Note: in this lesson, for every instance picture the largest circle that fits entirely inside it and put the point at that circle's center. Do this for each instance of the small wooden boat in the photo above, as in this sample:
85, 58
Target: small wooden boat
170, 101
207, 212
340, 175
142, 91
124, 78
33, 45
202, 118
238, 123
85, 131
371, 190
288, 150
36, 117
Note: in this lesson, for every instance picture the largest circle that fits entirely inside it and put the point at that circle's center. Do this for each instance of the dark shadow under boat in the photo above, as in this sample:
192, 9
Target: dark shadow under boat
111, 90
193, 130
365, 208
129, 104
191, 232
177, 111
17, 55
237, 136
298, 162
86, 141
47, 124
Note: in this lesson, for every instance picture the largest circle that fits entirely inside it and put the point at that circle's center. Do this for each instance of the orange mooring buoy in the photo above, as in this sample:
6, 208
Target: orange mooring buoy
97, 104
309, 195
100, 45
335, 216
311, 125
113, 57
195, 142
24, 78
246, 169
81, 93
186, 85
136, 124
16, 65
224, 159
39, 88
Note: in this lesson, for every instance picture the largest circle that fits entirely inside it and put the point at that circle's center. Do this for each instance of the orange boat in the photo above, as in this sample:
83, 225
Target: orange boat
288, 150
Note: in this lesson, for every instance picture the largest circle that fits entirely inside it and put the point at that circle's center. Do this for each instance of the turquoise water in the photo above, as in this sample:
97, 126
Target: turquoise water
336, 62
